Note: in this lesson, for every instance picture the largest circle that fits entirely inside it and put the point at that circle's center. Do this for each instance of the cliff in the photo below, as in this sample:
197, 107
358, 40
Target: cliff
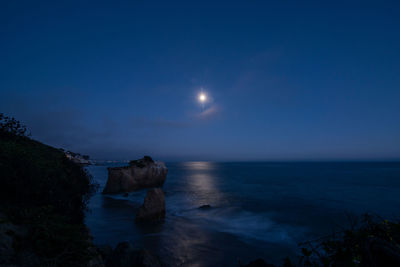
43, 197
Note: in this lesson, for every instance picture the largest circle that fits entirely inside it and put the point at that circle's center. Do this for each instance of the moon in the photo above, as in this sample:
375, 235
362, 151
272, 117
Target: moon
202, 97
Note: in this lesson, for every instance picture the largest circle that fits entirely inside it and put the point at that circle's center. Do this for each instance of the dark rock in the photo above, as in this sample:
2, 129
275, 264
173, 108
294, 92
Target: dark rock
105, 251
97, 259
126, 195
7, 251
258, 263
142, 173
205, 207
153, 208
143, 258
121, 256
27, 258
9, 234
125, 256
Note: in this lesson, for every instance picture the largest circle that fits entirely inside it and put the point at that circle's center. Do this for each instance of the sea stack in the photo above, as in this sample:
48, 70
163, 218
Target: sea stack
142, 173
153, 208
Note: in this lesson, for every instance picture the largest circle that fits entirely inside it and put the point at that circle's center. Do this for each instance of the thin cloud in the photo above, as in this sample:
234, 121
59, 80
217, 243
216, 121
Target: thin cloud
209, 113
159, 123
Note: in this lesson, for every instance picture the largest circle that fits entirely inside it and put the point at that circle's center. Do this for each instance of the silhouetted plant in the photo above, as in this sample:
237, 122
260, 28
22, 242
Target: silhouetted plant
141, 162
9, 125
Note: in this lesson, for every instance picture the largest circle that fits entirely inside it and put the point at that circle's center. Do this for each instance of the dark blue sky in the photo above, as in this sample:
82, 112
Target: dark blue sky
286, 80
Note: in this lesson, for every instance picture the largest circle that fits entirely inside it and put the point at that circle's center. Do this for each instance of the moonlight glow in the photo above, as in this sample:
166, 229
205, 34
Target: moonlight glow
202, 97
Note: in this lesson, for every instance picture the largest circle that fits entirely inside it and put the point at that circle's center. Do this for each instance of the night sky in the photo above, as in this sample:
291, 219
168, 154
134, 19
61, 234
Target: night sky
285, 80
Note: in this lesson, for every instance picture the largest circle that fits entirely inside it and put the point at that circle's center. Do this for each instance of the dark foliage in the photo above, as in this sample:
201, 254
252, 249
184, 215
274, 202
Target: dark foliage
42, 189
148, 159
11, 127
372, 242
34, 174
141, 162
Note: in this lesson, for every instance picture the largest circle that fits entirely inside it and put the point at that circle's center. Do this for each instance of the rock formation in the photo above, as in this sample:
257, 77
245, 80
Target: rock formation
142, 173
153, 208
124, 255
11, 251
258, 263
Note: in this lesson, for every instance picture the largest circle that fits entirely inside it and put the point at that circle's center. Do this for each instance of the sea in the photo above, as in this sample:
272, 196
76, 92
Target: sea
257, 209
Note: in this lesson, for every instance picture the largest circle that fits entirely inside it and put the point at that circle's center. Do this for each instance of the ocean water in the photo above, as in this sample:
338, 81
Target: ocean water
258, 209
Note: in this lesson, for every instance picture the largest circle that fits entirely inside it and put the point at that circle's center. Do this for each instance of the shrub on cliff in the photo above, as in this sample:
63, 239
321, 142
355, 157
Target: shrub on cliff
11, 127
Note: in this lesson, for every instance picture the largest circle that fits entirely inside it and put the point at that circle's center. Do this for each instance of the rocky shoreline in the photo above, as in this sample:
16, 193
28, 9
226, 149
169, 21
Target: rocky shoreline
123, 255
